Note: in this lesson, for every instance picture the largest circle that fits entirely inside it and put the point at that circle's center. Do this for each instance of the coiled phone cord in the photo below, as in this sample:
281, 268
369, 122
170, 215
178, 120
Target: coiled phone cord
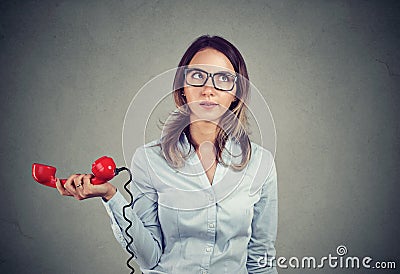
131, 204
129, 221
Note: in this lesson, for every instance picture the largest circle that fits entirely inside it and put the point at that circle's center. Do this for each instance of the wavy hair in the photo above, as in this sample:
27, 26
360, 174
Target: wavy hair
233, 123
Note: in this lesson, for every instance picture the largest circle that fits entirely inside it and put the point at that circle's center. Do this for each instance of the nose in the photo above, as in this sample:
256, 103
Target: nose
208, 91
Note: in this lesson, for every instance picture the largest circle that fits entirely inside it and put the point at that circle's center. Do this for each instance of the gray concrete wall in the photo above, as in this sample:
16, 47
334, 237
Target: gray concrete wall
329, 70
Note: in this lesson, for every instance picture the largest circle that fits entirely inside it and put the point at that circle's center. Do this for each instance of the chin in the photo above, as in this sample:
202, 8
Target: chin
212, 116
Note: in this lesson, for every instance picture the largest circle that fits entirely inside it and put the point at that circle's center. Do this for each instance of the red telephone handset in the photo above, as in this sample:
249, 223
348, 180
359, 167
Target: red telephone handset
104, 169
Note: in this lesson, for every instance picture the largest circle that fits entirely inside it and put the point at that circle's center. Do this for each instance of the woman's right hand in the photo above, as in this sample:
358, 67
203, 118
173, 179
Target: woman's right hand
80, 187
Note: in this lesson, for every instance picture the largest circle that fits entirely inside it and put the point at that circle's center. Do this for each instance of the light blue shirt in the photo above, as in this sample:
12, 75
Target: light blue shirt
184, 224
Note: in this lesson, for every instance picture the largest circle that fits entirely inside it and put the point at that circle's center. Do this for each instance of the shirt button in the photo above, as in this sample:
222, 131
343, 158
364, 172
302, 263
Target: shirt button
208, 249
203, 272
211, 198
210, 225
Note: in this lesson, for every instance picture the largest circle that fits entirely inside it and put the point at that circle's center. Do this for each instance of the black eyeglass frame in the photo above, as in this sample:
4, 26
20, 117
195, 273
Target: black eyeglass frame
208, 76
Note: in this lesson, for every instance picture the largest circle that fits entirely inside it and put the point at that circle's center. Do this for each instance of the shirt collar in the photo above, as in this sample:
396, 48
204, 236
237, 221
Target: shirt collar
231, 148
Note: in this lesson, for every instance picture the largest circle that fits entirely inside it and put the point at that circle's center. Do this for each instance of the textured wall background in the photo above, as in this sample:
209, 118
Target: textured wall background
329, 70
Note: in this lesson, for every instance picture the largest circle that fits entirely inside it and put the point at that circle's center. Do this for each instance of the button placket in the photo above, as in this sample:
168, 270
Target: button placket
210, 227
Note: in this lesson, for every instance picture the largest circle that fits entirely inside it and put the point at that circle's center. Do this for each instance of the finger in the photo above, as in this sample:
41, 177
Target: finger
78, 184
61, 188
87, 183
69, 184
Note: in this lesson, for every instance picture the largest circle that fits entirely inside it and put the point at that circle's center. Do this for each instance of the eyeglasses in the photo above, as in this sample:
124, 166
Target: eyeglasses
224, 81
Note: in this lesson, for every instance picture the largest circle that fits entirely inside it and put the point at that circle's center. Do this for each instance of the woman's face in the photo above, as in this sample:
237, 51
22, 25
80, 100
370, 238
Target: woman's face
207, 102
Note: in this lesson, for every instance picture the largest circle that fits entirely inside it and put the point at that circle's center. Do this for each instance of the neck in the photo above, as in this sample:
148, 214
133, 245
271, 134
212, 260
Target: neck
203, 131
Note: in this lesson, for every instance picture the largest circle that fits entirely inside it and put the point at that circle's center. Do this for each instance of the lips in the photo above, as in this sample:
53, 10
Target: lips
208, 103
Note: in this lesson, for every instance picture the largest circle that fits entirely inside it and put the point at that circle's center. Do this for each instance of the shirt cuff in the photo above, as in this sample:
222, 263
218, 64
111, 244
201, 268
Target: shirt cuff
114, 207
115, 204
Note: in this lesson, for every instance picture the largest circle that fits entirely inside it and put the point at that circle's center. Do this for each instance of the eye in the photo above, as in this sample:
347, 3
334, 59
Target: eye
224, 78
197, 75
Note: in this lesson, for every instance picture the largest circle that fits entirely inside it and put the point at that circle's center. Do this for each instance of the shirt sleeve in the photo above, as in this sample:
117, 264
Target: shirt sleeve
145, 230
261, 247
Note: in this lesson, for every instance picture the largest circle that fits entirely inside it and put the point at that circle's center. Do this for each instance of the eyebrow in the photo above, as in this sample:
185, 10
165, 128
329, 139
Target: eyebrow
221, 71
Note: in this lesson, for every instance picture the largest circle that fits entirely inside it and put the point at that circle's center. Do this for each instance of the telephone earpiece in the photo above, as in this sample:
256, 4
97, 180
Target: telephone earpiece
104, 169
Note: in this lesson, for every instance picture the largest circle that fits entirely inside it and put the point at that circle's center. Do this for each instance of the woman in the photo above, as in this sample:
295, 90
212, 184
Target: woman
193, 210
